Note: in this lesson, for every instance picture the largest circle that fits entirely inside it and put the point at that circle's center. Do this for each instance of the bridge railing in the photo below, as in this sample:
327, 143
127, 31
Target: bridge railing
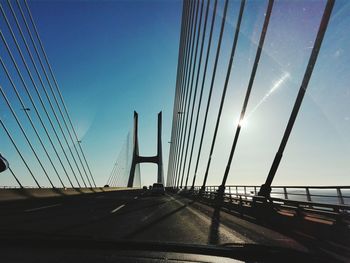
319, 194
328, 203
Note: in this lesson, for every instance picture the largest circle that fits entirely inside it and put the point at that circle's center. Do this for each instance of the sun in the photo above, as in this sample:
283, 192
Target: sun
243, 122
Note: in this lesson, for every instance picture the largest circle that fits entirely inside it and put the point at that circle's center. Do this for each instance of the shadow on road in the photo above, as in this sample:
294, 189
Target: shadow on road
155, 222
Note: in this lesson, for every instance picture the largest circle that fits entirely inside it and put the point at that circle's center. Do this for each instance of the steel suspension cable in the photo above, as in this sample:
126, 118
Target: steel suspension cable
195, 90
18, 151
223, 96
250, 85
182, 86
41, 82
51, 89
201, 93
177, 96
30, 120
110, 178
25, 136
212, 83
118, 178
35, 88
266, 187
14, 175
190, 89
30, 96
58, 89
184, 6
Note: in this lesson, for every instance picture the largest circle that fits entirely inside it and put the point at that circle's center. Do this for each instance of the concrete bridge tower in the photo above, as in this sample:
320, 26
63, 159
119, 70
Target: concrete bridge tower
136, 158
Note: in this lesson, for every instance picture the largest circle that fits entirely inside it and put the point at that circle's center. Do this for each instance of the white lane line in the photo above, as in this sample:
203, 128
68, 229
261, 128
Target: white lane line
135, 197
118, 208
223, 230
42, 207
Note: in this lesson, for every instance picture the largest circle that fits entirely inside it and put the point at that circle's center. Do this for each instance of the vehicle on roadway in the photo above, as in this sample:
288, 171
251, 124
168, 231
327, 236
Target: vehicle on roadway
158, 189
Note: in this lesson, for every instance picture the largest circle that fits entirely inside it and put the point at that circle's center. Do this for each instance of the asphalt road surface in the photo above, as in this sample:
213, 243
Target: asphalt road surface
132, 215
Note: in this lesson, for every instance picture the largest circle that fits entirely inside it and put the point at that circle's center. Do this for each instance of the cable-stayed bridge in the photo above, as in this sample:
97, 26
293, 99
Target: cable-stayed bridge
38, 129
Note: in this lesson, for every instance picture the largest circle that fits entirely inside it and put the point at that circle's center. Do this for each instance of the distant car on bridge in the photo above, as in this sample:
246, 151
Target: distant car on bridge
158, 189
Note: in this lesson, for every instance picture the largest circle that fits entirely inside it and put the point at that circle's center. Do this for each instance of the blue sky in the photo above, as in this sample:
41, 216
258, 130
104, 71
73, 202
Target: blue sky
113, 57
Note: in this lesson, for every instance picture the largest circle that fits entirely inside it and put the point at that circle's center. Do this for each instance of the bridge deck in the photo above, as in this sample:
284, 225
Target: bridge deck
133, 215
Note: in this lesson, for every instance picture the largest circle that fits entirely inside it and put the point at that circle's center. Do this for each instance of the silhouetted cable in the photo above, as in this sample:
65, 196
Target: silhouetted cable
117, 165
41, 82
188, 93
110, 179
18, 151
25, 136
195, 90
250, 85
50, 86
212, 82
43, 86
122, 162
190, 89
57, 88
29, 94
266, 188
30, 120
182, 86
34, 85
177, 96
171, 152
14, 176
119, 178
201, 93
223, 96
190, 13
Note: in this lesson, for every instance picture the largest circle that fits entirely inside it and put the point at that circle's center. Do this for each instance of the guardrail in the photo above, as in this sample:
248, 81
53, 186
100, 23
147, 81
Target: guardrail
327, 204
320, 194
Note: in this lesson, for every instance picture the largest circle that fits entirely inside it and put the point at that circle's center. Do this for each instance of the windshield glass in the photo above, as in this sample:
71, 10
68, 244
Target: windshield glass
240, 109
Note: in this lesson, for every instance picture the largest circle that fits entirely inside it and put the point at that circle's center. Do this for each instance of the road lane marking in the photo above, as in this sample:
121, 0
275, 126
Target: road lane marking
223, 230
118, 208
40, 208
135, 197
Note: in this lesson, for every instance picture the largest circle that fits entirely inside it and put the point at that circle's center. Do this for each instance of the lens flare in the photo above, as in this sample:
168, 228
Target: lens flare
275, 86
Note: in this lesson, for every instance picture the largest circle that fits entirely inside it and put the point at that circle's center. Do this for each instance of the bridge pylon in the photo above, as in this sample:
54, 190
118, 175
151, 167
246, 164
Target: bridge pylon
136, 158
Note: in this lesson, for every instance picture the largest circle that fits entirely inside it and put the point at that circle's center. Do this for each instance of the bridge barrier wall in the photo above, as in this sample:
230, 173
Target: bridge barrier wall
35, 193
